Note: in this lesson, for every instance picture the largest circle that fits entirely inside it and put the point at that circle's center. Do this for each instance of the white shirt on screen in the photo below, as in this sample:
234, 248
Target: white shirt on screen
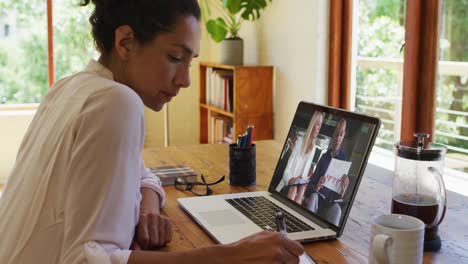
299, 164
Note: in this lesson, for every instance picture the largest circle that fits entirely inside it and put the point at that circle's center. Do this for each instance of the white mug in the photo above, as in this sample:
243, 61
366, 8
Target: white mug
396, 238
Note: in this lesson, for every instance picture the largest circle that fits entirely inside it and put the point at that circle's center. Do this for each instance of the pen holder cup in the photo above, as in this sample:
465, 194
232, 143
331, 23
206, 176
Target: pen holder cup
242, 168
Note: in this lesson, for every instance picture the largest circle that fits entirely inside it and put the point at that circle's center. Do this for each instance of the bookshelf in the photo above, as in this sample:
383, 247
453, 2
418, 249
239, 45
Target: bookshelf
233, 97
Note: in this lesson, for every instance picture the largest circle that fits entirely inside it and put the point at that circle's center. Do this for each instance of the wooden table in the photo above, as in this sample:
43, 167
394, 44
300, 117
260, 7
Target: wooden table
374, 197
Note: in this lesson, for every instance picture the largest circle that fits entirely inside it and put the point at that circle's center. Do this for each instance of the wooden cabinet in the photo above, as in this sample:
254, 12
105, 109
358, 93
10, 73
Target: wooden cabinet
233, 97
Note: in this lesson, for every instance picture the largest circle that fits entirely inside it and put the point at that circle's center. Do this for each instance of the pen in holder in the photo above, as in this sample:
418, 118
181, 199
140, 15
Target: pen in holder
242, 167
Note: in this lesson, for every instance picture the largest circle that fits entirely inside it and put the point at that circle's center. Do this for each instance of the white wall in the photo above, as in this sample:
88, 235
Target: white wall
13, 126
293, 37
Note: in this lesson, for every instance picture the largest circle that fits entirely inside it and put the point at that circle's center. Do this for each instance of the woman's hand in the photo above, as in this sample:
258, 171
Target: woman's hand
264, 247
293, 180
153, 230
320, 183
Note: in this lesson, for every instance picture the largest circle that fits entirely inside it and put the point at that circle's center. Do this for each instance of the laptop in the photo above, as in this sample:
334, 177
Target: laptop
316, 205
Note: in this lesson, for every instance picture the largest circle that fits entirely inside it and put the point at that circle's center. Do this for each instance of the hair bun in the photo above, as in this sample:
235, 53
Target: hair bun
147, 18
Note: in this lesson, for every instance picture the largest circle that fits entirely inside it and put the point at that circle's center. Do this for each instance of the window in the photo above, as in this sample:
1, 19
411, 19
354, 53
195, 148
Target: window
24, 48
73, 43
409, 66
378, 77
451, 124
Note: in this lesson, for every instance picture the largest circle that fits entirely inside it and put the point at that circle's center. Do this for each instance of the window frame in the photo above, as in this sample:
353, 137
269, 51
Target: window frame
420, 68
339, 53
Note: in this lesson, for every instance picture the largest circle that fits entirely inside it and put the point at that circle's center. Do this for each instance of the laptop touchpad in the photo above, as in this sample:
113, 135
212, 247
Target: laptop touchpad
221, 217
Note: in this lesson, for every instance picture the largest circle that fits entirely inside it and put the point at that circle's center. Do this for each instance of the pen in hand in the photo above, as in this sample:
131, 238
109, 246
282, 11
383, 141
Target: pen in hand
280, 223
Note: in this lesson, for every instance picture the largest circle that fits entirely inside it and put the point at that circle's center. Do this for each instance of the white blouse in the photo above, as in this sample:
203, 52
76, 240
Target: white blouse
74, 193
298, 164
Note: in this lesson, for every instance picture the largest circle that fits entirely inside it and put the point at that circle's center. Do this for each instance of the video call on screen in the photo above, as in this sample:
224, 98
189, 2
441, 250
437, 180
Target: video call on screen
320, 162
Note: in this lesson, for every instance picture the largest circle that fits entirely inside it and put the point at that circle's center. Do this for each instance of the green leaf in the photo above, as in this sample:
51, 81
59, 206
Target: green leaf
218, 29
251, 8
233, 6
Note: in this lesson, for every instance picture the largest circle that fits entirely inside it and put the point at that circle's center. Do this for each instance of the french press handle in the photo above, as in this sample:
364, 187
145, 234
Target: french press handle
443, 194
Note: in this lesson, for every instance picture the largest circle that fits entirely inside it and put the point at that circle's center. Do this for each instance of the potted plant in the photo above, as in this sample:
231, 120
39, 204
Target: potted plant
225, 28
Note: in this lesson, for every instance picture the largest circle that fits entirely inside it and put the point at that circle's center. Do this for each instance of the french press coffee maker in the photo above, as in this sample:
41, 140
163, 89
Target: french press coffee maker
418, 186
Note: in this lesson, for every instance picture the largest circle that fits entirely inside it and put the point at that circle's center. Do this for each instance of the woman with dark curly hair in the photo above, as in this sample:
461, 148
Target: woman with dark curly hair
79, 192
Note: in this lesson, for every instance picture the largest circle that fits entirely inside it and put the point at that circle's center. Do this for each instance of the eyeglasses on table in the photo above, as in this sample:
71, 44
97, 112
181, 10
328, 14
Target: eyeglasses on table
198, 188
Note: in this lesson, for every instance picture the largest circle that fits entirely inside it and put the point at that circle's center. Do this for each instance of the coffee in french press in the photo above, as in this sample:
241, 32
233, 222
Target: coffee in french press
418, 186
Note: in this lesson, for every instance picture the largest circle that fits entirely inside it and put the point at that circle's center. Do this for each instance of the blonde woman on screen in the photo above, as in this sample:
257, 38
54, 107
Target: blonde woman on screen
297, 172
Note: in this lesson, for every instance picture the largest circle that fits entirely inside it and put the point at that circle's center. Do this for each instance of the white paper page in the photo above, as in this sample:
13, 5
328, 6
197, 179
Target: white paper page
305, 259
335, 172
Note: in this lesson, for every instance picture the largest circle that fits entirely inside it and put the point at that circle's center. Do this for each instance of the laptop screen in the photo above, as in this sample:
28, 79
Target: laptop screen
322, 161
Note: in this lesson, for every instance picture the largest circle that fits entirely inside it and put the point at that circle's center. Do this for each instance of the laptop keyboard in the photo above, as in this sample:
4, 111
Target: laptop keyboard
263, 211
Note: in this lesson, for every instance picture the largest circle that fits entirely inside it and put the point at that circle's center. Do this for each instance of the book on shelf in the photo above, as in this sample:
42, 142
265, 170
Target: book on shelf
219, 88
168, 174
220, 129
208, 85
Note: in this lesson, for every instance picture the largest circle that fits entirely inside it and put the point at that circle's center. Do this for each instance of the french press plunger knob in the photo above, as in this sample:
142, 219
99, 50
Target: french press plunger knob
421, 137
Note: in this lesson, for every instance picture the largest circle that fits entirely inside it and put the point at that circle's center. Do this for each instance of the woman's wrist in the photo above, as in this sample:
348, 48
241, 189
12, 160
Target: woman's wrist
149, 201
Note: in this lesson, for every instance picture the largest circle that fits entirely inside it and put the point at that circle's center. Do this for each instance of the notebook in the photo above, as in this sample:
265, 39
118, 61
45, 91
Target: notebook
168, 174
315, 210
